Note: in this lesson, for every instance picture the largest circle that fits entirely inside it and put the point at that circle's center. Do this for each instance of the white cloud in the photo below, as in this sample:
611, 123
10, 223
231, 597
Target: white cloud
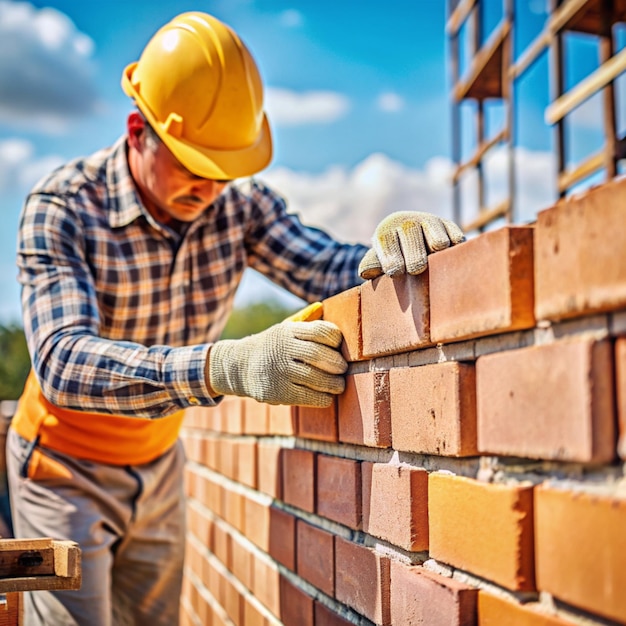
390, 102
20, 169
288, 108
291, 18
45, 69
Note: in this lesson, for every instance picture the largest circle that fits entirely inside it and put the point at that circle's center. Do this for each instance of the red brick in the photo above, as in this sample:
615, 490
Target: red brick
395, 314
485, 529
344, 310
495, 611
620, 385
325, 617
298, 470
265, 581
362, 580
318, 423
433, 409
339, 490
296, 607
421, 597
364, 412
552, 401
269, 469
581, 549
282, 537
255, 417
281, 420
316, 557
212, 496
241, 562
395, 504
257, 523
580, 254
466, 302
247, 463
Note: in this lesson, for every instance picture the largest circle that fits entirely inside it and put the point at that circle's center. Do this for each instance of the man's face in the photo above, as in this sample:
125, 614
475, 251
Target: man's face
167, 189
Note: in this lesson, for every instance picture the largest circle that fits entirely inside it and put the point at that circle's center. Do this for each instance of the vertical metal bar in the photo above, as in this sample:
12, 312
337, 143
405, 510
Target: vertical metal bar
606, 50
508, 94
558, 87
455, 120
480, 120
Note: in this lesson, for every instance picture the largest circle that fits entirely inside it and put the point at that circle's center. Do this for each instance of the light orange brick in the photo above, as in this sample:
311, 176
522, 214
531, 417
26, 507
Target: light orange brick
580, 254
266, 584
466, 301
581, 549
269, 469
620, 384
257, 522
318, 423
255, 417
433, 409
362, 580
552, 401
247, 462
364, 411
344, 310
485, 529
496, 611
395, 314
281, 420
422, 597
339, 490
241, 562
395, 504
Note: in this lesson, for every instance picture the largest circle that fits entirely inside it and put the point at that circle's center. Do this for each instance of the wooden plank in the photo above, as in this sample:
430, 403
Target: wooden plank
586, 168
30, 564
485, 75
486, 216
475, 159
530, 55
565, 14
458, 16
607, 72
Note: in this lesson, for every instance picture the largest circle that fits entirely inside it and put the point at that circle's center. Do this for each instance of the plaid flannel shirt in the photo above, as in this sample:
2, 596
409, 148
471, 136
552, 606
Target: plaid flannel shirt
120, 311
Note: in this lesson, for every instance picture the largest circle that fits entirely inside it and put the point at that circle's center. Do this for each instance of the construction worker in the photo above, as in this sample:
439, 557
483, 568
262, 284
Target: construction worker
129, 260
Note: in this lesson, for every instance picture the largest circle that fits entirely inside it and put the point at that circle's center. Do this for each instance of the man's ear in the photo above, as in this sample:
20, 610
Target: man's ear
136, 128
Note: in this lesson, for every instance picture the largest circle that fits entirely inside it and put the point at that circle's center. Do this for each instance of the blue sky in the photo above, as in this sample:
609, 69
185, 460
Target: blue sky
357, 94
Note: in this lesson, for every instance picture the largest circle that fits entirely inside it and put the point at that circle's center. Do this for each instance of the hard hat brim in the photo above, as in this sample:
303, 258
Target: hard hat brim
203, 161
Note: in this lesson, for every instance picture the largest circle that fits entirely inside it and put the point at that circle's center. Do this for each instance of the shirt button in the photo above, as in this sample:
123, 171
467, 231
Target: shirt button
194, 400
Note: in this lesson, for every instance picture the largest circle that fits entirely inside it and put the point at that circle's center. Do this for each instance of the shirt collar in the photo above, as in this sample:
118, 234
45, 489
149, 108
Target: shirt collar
124, 203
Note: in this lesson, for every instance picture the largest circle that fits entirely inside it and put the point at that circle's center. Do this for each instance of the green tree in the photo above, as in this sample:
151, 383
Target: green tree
254, 318
14, 362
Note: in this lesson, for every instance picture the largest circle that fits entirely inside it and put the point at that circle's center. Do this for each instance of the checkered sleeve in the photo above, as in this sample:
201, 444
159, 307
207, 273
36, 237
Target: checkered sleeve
76, 367
304, 260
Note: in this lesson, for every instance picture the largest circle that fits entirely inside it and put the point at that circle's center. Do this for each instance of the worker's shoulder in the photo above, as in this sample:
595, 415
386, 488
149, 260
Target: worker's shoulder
252, 188
74, 176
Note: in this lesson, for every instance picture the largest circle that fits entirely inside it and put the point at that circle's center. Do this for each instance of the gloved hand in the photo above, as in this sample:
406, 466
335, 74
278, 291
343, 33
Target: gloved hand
402, 241
289, 363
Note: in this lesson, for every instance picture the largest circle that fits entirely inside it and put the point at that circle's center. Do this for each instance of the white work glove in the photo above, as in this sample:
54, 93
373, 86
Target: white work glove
293, 363
403, 240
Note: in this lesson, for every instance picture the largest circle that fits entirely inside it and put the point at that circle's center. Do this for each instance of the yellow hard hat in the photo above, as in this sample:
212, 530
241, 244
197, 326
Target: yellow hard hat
200, 89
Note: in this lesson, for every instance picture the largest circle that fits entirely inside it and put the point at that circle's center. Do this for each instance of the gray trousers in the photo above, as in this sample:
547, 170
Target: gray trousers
129, 522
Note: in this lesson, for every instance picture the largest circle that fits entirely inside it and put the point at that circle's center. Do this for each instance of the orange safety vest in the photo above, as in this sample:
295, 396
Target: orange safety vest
112, 439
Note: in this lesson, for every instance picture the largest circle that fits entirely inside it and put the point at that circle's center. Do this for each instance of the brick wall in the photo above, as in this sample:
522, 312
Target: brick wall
471, 474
